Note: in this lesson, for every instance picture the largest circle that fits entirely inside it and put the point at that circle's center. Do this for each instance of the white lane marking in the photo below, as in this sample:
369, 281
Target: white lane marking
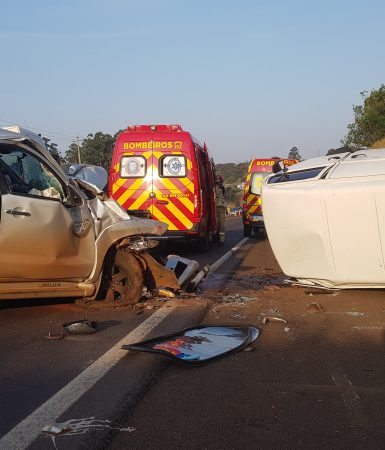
227, 255
23, 434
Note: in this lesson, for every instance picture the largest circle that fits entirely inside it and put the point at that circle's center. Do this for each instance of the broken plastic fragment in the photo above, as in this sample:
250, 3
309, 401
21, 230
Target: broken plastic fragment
164, 293
273, 319
56, 429
82, 326
199, 345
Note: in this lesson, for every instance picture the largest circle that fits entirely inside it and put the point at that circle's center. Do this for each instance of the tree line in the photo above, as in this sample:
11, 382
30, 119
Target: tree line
367, 130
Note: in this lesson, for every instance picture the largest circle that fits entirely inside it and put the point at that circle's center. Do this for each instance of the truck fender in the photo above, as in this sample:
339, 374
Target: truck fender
113, 234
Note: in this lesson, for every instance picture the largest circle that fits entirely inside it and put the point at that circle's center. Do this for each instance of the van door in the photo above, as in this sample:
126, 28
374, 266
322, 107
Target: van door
173, 185
133, 186
41, 238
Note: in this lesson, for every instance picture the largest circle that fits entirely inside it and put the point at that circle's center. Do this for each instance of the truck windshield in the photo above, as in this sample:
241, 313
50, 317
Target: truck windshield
256, 182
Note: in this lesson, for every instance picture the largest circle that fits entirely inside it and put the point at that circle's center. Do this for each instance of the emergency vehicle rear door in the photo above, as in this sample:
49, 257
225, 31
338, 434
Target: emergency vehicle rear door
136, 174
173, 184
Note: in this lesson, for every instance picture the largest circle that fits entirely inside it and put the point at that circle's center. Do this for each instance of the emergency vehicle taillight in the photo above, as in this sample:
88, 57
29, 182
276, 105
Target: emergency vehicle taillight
197, 204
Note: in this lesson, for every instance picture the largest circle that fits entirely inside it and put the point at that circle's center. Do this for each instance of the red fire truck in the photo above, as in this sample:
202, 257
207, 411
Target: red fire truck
258, 170
163, 172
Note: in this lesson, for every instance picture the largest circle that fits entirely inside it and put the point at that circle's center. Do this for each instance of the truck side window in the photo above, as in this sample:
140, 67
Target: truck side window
25, 174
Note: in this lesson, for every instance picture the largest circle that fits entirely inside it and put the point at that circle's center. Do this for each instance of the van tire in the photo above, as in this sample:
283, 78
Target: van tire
247, 230
203, 243
124, 280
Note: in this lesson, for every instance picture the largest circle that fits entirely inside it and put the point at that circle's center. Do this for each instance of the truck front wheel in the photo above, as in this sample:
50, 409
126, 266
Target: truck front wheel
125, 280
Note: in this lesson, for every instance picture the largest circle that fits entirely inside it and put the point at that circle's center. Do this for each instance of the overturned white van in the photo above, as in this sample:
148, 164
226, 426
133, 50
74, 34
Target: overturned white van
325, 219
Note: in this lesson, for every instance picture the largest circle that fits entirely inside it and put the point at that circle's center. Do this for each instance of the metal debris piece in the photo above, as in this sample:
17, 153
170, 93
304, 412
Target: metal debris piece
82, 326
199, 277
184, 268
287, 329
273, 319
54, 336
315, 307
157, 275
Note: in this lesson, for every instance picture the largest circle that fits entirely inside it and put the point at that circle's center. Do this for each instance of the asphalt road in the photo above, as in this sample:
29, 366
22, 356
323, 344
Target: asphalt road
33, 369
315, 382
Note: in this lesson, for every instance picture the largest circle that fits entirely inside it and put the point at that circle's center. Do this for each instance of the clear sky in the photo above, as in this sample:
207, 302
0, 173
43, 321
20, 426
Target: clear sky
252, 78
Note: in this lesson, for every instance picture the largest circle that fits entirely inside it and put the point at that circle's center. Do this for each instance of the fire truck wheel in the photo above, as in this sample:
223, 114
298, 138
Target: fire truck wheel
125, 281
247, 230
203, 243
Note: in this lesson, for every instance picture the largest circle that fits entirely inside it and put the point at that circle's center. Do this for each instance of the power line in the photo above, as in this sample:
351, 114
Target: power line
56, 135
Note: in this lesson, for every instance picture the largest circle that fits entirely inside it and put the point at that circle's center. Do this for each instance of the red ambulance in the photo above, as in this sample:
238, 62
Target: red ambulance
163, 172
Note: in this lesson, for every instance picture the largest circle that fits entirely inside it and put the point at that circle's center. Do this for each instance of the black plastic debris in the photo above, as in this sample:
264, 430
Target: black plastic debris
196, 346
83, 326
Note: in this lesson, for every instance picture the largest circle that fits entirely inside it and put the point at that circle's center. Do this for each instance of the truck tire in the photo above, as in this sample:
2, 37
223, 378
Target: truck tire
124, 280
247, 230
203, 243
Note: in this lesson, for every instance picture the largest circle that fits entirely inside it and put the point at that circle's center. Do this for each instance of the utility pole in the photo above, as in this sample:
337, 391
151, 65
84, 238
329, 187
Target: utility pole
79, 159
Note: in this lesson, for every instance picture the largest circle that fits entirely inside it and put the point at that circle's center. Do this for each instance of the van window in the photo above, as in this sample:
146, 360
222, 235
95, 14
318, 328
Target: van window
173, 166
133, 167
256, 182
296, 176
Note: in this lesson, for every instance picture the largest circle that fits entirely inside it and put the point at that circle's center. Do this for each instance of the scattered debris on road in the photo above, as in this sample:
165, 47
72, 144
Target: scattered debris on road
273, 319
56, 429
315, 307
54, 336
199, 345
236, 298
163, 293
83, 326
80, 426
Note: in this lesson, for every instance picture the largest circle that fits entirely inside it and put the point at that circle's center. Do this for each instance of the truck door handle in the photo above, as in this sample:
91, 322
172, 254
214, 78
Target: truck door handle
17, 212
162, 202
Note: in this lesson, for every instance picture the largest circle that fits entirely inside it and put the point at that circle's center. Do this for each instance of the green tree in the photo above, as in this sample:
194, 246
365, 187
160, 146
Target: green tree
369, 120
294, 154
52, 148
94, 149
232, 173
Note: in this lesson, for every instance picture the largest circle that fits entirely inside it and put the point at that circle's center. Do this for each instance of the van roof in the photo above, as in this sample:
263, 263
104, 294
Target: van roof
146, 128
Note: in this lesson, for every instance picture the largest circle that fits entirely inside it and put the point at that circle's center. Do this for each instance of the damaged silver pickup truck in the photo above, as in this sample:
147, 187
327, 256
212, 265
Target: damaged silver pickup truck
61, 237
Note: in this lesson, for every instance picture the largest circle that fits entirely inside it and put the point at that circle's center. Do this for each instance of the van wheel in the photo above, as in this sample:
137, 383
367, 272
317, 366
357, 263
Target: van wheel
125, 281
247, 230
203, 243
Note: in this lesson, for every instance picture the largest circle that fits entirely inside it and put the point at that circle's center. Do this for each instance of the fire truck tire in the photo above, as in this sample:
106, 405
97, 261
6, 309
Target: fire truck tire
203, 243
247, 230
125, 280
